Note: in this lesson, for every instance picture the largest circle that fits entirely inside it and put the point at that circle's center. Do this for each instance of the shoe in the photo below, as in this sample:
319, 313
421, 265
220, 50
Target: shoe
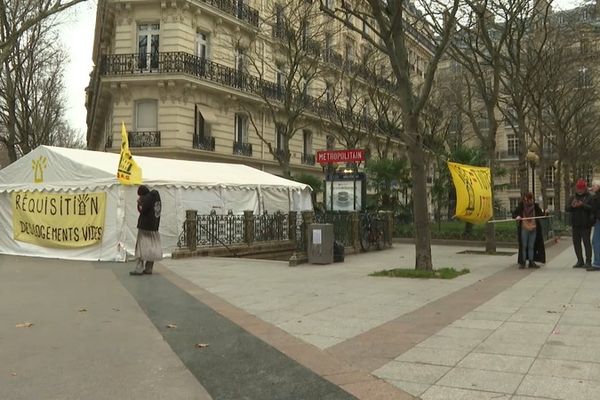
135, 273
578, 265
588, 264
521, 265
147, 272
533, 265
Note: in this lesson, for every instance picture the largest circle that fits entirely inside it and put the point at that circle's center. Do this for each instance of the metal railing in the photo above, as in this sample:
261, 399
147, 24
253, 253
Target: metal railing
204, 143
307, 159
185, 63
242, 149
342, 225
144, 138
268, 227
236, 8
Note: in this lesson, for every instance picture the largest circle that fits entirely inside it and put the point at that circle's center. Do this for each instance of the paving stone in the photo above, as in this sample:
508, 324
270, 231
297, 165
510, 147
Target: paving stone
566, 369
448, 393
427, 355
559, 388
492, 381
497, 362
411, 372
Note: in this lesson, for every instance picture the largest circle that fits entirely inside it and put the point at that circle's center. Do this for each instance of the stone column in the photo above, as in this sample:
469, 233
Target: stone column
249, 227
191, 229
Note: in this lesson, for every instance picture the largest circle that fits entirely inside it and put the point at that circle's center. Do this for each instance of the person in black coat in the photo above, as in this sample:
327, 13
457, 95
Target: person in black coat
148, 247
581, 223
530, 235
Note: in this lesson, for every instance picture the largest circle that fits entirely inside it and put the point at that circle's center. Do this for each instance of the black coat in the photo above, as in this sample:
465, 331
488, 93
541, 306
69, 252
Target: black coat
149, 206
595, 205
539, 249
581, 217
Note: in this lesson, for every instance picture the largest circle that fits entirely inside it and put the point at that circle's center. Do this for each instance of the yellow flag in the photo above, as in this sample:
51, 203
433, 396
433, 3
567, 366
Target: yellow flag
128, 173
473, 192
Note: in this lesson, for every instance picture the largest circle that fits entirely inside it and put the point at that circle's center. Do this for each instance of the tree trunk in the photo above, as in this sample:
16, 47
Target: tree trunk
416, 156
557, 191
490, 229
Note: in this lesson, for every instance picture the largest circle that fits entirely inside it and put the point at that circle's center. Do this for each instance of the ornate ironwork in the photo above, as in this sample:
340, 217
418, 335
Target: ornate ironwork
144, 138
242, 149
308, 159
236, 8
214, 229
342, 225
268, 227
204, 143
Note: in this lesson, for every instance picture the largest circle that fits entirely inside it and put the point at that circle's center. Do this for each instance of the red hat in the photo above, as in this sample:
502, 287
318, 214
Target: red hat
581, 184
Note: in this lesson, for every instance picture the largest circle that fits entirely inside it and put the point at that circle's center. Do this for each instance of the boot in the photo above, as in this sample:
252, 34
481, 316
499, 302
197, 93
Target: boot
532, 264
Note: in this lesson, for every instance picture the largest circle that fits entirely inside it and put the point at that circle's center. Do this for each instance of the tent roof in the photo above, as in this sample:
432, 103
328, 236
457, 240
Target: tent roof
84, 168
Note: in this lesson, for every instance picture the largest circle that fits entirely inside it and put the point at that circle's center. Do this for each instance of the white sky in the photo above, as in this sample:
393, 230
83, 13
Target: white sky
78, 37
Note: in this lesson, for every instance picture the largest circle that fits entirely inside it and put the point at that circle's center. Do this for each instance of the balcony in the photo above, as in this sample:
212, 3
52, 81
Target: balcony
307, 159
204, 143
188, 64
242, 149
144, 138
507, 155
237, 9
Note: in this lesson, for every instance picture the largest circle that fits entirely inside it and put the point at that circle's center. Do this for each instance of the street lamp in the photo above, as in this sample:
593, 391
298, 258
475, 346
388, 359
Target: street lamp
533, 159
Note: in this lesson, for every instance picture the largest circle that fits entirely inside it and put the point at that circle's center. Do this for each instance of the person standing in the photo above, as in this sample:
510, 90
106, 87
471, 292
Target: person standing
530, 236
581, 223
148, 247
595, 204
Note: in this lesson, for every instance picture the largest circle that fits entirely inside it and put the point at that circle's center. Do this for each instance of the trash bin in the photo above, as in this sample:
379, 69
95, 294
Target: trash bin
320, 243
339, 251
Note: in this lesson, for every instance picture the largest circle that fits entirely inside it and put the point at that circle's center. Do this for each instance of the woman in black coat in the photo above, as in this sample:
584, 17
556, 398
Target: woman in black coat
148, 247
530, 235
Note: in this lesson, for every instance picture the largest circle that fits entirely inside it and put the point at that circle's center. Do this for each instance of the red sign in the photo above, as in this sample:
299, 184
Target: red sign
340, 156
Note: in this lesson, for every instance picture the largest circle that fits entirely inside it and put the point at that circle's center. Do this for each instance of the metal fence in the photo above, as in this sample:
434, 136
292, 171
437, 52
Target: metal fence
342, 225
268, 227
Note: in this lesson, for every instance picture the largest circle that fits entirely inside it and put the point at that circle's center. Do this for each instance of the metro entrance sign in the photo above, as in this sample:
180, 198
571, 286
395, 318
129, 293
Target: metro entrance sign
340, 156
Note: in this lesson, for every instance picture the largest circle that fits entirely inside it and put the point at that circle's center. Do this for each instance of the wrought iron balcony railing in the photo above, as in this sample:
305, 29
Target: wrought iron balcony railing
242, 149
204, 143
144, 138
184, 63
308, 159
236, 8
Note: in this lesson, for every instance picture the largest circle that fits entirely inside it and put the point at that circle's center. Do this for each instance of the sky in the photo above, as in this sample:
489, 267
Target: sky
78, 36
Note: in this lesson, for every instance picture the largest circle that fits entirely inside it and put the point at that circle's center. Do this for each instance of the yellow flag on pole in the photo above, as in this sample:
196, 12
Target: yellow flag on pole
128, 173
473, 192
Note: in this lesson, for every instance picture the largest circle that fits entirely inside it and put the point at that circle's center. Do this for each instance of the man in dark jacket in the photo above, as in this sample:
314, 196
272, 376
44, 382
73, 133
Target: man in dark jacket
581, 223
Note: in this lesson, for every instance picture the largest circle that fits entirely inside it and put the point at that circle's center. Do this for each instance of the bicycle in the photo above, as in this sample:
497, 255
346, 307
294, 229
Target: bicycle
371, 232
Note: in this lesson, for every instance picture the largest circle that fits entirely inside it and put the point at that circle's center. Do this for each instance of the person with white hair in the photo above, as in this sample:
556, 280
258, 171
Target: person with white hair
595, 203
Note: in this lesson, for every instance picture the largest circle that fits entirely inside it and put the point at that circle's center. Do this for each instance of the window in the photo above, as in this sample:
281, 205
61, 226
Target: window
148, 35
202, 45
586, 172
550, 203
307, 141
584, 77
514, 202
549, 144
349, 99
241, 128
510, 119
280, 133
454, 124
328, 41
514, 179
329, 4
146, 115
330, 142
513, 144
239, 60
549, 175
349, 50
329, 92
365, 27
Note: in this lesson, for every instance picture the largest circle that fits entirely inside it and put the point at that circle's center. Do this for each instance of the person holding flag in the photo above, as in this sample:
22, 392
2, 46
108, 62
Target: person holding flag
529, 232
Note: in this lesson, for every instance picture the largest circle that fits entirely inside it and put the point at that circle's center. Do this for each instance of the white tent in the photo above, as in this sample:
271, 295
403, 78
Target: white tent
203, 186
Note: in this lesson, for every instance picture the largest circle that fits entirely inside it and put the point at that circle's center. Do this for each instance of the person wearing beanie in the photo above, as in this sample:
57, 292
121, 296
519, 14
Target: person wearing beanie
579, 205
529, 230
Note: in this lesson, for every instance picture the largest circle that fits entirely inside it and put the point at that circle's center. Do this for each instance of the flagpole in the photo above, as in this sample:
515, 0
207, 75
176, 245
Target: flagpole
513, 219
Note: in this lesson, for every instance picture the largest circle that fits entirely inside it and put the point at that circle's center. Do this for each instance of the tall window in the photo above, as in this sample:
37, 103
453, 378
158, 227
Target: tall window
148, 35
146, 115
202, 45
349, 49
241, 128
307, 141
329, 92
330, 142
513, 144
584, 77
586, 172
549, 175
328, 41
239, 60
514, 202
280, 132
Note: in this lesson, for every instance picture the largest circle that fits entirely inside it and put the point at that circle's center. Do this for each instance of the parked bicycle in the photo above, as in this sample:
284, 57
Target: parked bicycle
371, 232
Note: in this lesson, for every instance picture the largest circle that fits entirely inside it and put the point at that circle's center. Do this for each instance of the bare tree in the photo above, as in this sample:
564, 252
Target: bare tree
297, 32
393, 26
18, 16
31, 87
